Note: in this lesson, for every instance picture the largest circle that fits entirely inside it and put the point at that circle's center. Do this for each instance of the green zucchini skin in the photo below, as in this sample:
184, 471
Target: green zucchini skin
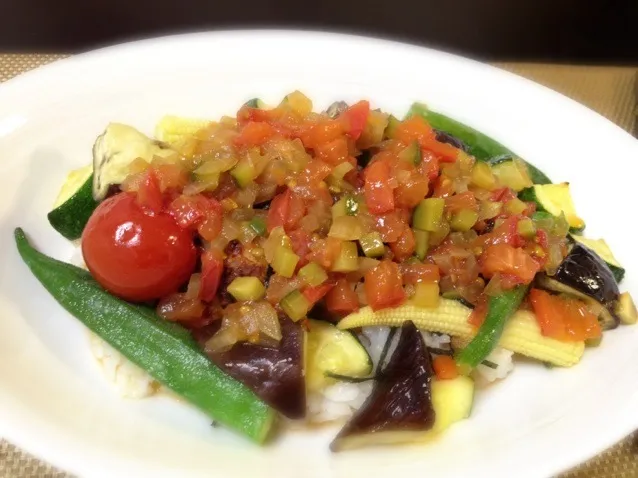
70, 217
163, 349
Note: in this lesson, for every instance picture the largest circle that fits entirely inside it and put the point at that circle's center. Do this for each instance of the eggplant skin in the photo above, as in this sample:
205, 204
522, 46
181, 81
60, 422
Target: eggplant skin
400, 405
276, 375
584, 271
443, 137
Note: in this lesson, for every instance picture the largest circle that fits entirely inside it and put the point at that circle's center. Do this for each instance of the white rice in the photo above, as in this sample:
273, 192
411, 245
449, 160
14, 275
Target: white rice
500, 357
129, 380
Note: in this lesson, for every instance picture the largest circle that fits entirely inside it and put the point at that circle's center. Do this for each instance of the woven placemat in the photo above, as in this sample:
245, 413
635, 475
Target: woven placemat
613, 92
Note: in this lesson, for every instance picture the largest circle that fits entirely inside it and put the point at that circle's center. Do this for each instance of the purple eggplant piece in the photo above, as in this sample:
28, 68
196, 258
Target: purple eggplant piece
274, 374
400, 405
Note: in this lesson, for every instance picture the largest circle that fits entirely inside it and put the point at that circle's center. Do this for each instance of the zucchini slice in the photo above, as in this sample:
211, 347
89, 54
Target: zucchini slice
74, 204
452, 401
600, 247
512, 172
330, 351
555, 199
626, 309
115, 149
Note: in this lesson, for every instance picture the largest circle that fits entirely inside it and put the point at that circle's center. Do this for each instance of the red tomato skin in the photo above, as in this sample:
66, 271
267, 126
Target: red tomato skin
356, 117
341, 299
315, 294
135, 255
383, 286
149, 194
212, 270
379, 195
505, 259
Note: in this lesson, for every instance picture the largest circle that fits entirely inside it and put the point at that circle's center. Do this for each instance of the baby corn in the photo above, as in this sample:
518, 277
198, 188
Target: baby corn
521, 335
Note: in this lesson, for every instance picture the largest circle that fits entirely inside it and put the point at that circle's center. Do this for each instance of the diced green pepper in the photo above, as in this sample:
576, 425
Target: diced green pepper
428, 214
285, 261
422, 239
313, 274
246, 288
412, 154
295, 305
372, 244
258, 224
464, 220
499, 309
163, 349
393, 123
347, 260
243, 173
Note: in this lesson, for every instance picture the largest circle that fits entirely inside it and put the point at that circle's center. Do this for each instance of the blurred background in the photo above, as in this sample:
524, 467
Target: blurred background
573, 31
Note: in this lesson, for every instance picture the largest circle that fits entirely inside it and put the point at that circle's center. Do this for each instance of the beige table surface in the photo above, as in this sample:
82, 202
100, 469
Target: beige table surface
611, 91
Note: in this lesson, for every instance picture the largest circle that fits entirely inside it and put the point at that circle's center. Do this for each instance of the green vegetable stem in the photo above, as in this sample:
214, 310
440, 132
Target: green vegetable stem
499, 309
481, 146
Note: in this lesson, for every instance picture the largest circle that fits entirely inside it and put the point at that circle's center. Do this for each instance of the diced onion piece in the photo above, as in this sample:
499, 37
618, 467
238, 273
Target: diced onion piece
217, 165
347, 261
347, 228
261, 318
276, 238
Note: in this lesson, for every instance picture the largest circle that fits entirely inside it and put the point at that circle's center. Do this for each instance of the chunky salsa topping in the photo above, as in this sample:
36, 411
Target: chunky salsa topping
286, 211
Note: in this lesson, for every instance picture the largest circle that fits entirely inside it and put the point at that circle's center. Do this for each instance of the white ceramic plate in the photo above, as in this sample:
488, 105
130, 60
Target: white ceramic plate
55, 403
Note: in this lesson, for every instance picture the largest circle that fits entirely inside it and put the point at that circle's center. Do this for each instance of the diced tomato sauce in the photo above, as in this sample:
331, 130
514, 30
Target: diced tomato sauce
260, 196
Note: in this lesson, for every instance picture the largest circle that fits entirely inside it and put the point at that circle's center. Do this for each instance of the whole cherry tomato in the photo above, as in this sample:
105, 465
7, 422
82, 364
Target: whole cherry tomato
135, 254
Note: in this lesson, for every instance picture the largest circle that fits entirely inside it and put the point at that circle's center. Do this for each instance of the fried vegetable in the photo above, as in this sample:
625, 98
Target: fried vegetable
275, 374
555, 199
600, 247
586, 272
399, 409
331, 352
115, 149
74, 204
626, 309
